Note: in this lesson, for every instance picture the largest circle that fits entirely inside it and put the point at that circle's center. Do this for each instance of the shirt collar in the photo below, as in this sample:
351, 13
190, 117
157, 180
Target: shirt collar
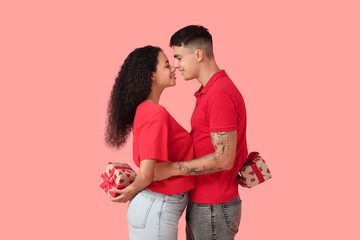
203, 90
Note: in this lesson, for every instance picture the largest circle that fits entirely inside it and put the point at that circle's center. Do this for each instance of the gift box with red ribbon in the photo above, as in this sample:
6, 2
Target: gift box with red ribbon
255, 170
117, 175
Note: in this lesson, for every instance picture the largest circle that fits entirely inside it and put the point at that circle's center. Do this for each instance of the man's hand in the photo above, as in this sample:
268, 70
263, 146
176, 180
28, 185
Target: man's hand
242, 182
125, 194
164, 170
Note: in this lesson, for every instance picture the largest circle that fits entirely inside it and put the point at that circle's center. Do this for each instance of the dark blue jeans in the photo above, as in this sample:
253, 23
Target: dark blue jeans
213, 221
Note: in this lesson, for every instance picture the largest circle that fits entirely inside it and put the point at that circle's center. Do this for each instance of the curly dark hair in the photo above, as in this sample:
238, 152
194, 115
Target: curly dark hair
194, 36
132, 86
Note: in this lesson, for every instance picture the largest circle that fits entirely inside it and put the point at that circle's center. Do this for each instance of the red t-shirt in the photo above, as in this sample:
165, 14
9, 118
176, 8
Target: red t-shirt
157, 135
219, 108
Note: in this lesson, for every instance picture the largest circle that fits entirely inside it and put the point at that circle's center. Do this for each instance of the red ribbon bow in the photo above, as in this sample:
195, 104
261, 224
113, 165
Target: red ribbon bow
253, 158
109, 181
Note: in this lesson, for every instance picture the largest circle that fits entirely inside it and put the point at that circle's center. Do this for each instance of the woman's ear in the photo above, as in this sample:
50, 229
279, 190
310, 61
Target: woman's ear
153, 80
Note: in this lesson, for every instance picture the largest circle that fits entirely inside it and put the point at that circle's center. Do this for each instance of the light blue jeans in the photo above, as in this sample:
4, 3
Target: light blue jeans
155, 216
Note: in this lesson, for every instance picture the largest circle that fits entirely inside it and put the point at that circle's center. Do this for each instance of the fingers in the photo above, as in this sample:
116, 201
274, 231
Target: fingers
242, 182
119, 199
118, 190
243, 185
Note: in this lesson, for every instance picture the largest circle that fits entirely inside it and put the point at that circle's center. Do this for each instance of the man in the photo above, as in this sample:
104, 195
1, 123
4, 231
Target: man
218, 129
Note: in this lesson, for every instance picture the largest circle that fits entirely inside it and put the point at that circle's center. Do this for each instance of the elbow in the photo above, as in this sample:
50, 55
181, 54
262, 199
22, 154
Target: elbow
224, 163
227, 164
146, 178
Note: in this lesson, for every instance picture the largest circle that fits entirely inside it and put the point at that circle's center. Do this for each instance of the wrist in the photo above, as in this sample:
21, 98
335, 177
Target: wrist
176, 169
133, 189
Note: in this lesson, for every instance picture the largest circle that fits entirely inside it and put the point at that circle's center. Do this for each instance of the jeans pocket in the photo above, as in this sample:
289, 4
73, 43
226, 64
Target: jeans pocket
232, 214
176, 198
138, 210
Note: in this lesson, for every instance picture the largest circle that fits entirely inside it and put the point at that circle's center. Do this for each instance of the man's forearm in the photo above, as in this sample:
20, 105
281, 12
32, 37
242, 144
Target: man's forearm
222, 159
200, 166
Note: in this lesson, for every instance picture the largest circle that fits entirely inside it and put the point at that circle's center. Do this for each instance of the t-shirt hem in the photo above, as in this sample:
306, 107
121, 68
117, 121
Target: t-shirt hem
171, 192
158, 160
218, 201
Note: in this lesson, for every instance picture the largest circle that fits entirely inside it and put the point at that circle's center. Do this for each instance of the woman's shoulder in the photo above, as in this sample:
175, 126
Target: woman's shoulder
149, 111
150, 107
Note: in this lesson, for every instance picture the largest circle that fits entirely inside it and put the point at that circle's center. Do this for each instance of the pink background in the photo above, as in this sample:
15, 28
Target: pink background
295, 62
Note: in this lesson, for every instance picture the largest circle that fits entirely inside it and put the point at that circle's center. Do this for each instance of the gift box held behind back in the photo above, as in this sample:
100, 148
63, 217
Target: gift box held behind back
117, 175
255, 170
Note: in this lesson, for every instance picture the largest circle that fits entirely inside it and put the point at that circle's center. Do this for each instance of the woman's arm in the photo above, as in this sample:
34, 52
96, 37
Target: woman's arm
143, 179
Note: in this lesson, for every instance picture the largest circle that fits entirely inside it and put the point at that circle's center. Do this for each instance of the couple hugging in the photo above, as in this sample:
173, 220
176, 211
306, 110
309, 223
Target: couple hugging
177, 169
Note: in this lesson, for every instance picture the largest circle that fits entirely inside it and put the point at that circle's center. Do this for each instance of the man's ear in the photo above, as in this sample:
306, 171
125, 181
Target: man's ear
199, 55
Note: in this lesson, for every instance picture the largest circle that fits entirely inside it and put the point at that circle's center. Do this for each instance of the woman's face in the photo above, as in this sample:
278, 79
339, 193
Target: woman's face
165, 73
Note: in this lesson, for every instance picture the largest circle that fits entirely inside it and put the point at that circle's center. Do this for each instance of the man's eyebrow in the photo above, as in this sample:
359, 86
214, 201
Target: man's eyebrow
167, 61
176, 55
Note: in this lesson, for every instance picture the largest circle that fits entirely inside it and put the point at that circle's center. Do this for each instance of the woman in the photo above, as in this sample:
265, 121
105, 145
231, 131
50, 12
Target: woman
155, 207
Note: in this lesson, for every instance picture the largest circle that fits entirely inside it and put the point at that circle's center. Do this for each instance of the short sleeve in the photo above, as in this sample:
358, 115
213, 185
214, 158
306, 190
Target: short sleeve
153, 141
221, 111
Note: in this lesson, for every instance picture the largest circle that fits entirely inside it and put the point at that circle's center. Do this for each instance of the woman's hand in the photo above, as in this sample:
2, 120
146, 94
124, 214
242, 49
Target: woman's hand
125, 194
143, 179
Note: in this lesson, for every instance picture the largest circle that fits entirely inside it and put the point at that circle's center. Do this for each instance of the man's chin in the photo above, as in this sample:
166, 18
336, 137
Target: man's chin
188, 79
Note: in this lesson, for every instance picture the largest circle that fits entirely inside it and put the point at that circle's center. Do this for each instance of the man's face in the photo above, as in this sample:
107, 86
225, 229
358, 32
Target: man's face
186, 62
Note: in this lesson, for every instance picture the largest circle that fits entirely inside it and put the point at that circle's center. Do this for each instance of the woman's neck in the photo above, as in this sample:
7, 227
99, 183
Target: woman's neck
154, 96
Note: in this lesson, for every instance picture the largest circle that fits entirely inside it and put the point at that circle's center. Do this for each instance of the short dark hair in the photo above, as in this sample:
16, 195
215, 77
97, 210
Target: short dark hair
194, 36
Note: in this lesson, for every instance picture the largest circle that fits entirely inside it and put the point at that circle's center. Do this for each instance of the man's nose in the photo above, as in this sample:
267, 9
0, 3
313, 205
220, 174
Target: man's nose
176, 64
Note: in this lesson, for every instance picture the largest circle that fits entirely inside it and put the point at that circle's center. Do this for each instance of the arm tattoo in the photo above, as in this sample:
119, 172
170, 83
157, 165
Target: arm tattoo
228, 146
220, 141
195, 170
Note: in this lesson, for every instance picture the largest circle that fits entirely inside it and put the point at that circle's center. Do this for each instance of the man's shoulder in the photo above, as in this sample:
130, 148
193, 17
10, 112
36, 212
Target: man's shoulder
224, 90
224, 86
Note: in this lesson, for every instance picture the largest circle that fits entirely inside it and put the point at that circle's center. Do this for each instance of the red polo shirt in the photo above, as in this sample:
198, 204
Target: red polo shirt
219, 108
158, 136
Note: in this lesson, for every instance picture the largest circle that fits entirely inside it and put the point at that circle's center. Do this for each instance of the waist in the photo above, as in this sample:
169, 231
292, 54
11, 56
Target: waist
215, 188
149, 193
173, 185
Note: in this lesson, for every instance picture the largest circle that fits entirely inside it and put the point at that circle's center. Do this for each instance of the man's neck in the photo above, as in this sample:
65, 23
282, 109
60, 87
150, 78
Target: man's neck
207, 72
